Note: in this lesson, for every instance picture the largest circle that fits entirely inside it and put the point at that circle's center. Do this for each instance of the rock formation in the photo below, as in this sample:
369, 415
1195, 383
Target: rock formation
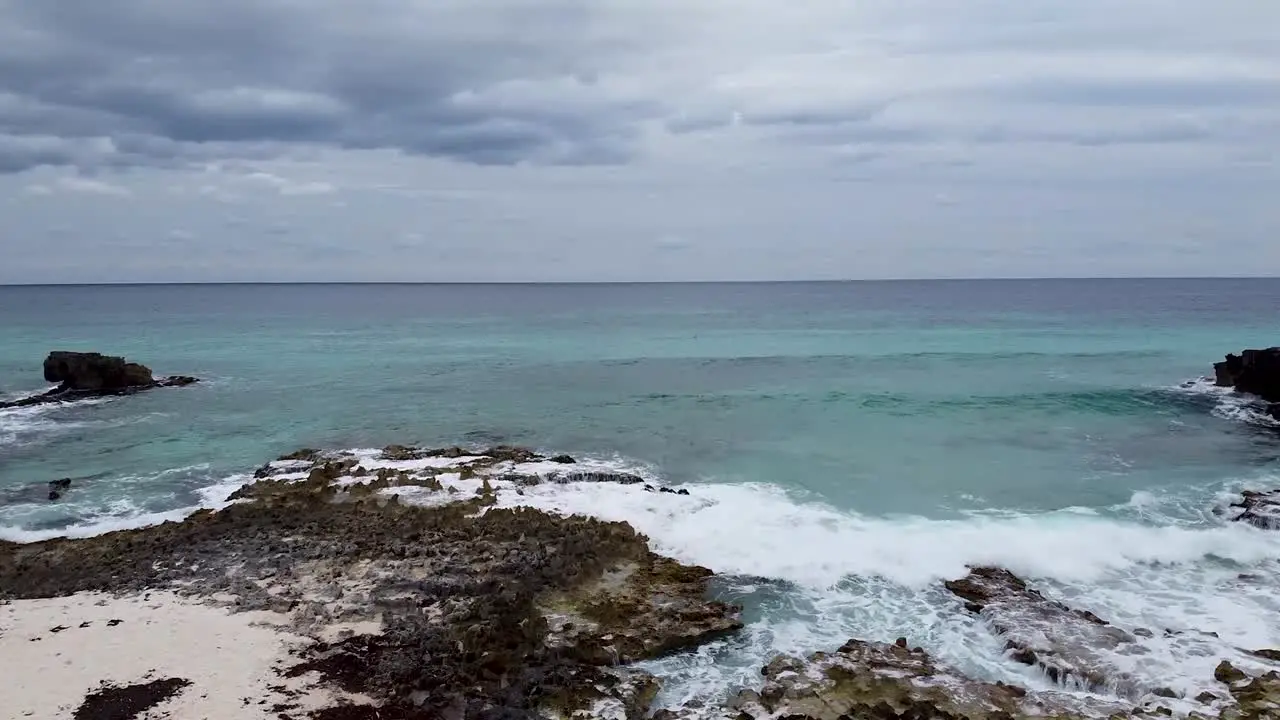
1068, 645
483, 612
85, 375
454, 603
879, 681
1256, 372
1259, 508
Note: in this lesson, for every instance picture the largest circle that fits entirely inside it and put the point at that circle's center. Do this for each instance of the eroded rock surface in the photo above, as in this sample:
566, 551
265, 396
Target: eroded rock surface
450, 609
1259, 508
1252, 697
882, 681
1070, 646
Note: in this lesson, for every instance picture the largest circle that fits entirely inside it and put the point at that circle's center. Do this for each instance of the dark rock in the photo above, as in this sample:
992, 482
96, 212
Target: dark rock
596, 477
1260, 509
88, 375
1256, 372
59, 487
1267, 654
400, 453
1206, 698
507, 453
1228, 673
564, 459
1068, 645
94, 371
1164, 692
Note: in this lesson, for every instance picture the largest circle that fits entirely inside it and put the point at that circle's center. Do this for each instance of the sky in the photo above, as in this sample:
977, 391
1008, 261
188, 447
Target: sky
624, 140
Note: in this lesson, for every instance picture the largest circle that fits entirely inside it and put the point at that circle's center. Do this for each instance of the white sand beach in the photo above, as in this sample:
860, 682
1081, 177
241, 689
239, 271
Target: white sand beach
55, 652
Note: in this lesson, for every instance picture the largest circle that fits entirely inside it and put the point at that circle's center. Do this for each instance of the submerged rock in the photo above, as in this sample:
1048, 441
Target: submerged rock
57, 488
87, 375
1070, 646
1256, 372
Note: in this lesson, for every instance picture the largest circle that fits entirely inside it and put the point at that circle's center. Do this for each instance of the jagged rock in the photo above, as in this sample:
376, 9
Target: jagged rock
94, 371
592, 476
1252, 698
1228, 673
1068, 645
400, 453
1267, 654
462, 595
507, 453
563, 459
87, 375
1259, 508
57, 488
638, 610
881, 681
1256, 372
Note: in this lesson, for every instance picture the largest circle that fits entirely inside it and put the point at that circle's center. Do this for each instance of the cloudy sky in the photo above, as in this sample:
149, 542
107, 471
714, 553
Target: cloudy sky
494, 140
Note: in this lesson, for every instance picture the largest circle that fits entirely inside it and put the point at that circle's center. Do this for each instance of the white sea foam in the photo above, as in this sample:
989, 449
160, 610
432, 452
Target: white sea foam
125, 514
848, 575
1229, 404
814, 575
21, 425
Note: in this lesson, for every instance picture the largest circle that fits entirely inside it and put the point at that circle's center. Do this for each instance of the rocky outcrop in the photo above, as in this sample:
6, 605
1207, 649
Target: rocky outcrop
879, 681
481, 611
1070, 646
94, 371
637, 610
1260, 509
1252, 698
58, 488
1256, 372
87, 375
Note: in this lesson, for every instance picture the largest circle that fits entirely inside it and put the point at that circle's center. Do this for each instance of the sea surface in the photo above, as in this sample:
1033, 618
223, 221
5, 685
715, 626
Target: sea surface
847, 445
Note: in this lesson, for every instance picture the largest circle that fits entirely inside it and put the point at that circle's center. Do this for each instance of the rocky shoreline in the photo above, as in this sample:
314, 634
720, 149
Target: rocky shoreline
421, 589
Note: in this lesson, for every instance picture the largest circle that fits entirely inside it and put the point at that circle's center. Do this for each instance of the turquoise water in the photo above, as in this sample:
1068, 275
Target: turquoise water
849, 443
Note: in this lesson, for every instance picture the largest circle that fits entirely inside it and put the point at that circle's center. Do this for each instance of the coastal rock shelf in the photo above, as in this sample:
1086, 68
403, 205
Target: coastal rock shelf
412, 584
81, 376
447, 606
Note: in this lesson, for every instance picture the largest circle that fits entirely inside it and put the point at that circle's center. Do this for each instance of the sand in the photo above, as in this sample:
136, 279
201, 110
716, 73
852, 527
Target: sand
229, 659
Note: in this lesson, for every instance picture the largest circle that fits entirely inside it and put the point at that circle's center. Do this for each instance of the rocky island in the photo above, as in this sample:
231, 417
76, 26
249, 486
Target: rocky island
84, 375
410, 583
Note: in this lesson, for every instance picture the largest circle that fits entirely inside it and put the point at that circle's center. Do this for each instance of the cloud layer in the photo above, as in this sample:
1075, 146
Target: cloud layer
692, 139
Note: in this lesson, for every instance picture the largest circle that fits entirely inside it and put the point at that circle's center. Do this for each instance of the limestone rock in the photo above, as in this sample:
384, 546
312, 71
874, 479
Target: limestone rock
882, 681
1068, 645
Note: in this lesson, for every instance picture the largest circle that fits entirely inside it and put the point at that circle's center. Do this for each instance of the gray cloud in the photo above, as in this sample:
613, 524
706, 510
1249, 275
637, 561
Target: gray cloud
610, 139
440, 79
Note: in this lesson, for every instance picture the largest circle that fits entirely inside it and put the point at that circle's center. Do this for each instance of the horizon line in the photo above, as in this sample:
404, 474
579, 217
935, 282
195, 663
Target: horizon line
463, 283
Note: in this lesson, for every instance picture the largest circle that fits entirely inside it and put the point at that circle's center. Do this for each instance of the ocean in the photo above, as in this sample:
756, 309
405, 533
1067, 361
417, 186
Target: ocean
847, 446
